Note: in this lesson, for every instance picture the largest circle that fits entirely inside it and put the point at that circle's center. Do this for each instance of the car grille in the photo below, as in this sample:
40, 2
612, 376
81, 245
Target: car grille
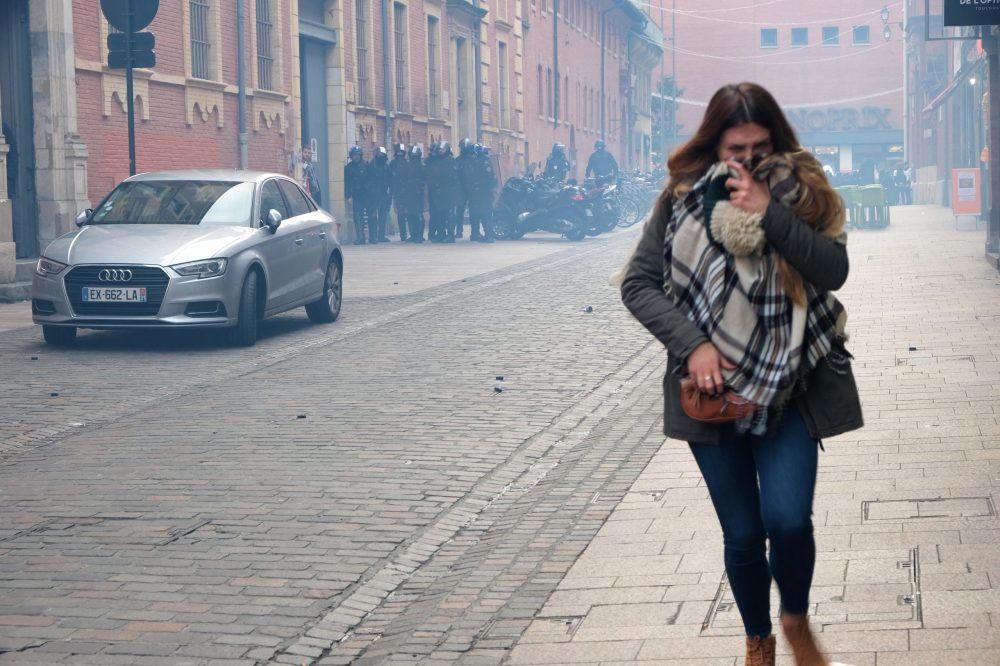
153, 279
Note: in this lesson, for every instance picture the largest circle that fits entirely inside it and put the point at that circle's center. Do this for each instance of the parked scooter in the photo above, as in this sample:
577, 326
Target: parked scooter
538, 204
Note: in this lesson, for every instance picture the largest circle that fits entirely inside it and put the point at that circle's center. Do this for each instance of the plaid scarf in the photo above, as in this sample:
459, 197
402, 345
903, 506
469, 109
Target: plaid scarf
722, 275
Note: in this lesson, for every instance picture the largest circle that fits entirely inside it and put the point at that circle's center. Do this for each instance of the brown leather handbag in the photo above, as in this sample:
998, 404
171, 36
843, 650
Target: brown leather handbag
725, 407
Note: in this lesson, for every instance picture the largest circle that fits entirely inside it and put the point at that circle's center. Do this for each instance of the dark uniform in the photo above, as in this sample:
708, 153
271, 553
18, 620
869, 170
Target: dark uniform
482, 183
557, 166
442, 193
397, 173
356, 189
379, 182
601, 162
466, 154
412, 189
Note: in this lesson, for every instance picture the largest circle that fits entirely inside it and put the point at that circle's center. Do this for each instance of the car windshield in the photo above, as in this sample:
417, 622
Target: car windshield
177, 202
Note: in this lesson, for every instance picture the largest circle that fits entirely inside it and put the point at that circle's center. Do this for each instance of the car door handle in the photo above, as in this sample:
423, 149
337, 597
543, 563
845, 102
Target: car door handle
299, 240
322, 235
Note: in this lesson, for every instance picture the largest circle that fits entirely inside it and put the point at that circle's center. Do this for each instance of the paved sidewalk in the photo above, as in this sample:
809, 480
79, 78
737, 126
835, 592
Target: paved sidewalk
905, 513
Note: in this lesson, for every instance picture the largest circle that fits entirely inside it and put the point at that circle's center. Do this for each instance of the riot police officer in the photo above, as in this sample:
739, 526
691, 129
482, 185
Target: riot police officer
466, 155
601, 162
442, 185
412, 193
356, 190
482, 183
380, 198
397, 175
557, 166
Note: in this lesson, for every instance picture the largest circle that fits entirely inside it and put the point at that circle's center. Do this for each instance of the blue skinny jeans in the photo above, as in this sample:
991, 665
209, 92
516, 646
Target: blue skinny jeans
762, 489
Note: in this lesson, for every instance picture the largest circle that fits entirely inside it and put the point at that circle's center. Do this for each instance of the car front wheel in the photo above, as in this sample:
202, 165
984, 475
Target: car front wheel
244, 334
59, 336
327, 308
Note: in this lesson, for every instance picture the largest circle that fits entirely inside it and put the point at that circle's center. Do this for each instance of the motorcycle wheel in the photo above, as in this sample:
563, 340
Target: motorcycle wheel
505, 226
576, 234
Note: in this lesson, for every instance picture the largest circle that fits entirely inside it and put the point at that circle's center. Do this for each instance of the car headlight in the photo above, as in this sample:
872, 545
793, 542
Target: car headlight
48, 268
205, 268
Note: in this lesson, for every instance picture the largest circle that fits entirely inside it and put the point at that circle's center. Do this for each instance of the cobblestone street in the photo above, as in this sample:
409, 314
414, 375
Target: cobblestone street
467, 467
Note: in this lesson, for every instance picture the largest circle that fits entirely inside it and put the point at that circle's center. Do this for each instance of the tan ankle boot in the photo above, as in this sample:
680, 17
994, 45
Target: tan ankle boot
760, 651
800, 638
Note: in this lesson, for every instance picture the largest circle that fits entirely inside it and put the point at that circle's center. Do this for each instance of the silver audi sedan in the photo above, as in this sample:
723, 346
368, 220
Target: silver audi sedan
204, 248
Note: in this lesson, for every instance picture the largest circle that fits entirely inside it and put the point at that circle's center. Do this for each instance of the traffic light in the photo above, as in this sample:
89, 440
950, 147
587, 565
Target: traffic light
142, 50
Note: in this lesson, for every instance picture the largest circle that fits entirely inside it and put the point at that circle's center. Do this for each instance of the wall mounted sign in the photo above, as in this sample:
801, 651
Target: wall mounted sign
972, 12
840, 120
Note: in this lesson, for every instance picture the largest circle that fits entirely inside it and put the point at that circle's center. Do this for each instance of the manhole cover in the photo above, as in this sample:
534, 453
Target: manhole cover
853, 589
934, 507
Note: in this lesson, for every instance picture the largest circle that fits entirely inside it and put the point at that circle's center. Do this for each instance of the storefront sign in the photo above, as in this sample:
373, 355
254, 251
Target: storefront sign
972, 12
965, 193
841, 120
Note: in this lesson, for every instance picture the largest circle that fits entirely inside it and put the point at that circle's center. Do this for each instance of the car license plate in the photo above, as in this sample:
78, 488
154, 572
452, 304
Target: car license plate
114, 294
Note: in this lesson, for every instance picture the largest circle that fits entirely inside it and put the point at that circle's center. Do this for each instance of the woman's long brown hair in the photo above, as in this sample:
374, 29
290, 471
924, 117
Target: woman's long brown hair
737, 104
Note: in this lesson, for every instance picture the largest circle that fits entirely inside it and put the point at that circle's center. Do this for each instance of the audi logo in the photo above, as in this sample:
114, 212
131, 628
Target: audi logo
115, 275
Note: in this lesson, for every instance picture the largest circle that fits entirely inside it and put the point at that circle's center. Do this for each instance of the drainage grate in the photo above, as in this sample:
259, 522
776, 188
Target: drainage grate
933, 507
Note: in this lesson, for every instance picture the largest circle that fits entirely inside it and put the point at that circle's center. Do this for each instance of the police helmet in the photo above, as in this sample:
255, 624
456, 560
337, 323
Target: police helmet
444, 148
356, 150
399, 150
381, 154
465, 146
432, 150
558, 149
599, 144
485, 150
416, 153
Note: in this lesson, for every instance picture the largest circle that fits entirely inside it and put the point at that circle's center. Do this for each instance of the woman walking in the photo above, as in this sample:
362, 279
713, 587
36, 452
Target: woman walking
733, 274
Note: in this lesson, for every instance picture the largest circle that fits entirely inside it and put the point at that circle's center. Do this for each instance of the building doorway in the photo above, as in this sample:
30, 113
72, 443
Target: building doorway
315, 41
18, 125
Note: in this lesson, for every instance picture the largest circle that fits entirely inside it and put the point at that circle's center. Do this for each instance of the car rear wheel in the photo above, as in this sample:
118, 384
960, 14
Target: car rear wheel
59, 335
244, 334
327, 308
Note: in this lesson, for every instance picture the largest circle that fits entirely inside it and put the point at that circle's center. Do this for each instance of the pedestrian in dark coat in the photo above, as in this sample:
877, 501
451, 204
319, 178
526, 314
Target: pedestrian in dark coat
380, 195
356, 191
442, 193
397, 175
482, 185
776, 251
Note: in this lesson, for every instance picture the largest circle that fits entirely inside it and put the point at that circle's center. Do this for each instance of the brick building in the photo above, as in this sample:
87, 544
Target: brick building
419, 71
836, 69
567, 78
65, 142
320, 72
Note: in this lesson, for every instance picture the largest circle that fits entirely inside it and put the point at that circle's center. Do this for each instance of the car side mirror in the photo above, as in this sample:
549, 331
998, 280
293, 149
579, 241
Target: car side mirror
273, 220
84, 216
